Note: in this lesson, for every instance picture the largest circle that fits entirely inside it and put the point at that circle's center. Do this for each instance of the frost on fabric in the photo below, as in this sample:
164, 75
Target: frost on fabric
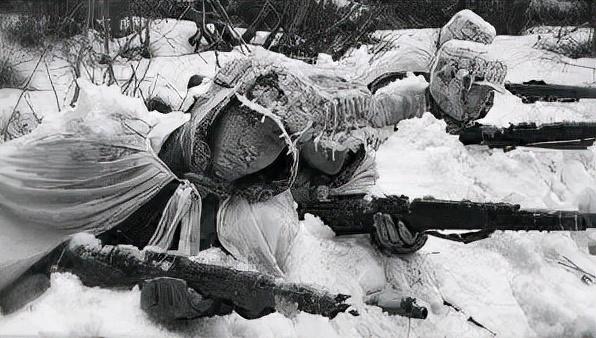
217, 256
467, 25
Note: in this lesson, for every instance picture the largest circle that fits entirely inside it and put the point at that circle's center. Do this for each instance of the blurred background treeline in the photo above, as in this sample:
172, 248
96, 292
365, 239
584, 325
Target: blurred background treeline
304, 27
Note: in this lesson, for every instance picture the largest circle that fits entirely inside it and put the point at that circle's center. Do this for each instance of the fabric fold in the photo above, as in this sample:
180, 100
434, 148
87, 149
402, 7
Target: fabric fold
83, 170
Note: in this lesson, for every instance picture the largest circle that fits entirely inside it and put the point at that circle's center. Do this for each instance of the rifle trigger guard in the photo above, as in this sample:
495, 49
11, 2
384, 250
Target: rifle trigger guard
466, 237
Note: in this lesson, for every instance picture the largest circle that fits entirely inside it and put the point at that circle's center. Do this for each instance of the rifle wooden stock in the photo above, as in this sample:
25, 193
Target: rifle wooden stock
349, 215
126, 266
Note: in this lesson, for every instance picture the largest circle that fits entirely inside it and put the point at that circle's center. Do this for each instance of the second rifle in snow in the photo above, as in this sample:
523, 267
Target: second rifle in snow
562, 135
538, 90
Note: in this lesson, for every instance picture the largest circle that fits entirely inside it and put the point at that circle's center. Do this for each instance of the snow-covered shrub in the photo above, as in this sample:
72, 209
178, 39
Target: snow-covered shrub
10, 54
18, 124
559, 12
9, 78
160, 9
134, 52
325, 27
573, 42
37, 30
415, 13
25, 31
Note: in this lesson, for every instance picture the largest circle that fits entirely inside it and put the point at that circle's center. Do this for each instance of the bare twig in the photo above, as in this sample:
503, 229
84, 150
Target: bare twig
38, 119
52, 84
25, 88
77, 70
221, 11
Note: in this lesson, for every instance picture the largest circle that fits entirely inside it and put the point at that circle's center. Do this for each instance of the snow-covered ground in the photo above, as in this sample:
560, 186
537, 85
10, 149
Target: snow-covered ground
512, 284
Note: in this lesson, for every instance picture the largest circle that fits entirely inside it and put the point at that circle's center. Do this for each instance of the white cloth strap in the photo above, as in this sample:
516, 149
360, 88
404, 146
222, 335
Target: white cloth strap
182, 211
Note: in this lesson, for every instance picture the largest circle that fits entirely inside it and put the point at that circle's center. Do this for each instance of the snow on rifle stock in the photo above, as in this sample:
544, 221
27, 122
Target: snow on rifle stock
126, 266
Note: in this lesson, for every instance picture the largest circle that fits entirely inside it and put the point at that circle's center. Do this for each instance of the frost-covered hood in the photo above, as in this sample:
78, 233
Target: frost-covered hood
309, 102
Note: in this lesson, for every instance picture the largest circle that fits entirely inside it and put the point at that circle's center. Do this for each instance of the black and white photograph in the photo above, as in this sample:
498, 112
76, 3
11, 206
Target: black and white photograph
298, 168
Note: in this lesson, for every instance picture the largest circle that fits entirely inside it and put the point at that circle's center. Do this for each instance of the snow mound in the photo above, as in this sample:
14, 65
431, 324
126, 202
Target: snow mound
99, 312
509, 109
170, 37
410, 84
512, 283
524, 62
422, 159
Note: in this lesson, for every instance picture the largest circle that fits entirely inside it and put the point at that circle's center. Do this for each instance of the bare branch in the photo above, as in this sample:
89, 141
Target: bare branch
25, 88
52, 84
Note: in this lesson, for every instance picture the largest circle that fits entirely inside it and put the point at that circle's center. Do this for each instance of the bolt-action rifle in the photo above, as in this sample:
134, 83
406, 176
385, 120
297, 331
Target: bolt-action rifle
538, 90
563, 135
354, 214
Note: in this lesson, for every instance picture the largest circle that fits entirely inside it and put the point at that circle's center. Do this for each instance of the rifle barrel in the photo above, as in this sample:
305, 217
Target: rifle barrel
349, 215
563, 135
541, 89
465, 215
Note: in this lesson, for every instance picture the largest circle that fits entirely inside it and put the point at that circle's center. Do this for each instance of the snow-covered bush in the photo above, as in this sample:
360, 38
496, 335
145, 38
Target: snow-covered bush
26, 31
574, 42
19, 124
160, 9
10, 54
325, 27
559, 12
8, 75
37, 30
562, 25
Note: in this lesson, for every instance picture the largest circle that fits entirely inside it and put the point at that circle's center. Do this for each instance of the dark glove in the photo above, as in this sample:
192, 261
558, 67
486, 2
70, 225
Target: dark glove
167, 300
395, 239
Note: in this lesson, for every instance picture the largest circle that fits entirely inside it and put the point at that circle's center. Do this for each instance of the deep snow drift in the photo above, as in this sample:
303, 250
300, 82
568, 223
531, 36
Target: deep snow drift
512, 284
